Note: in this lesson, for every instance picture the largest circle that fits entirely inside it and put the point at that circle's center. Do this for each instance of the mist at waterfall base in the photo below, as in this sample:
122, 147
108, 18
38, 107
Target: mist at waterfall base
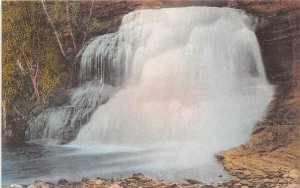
189, 83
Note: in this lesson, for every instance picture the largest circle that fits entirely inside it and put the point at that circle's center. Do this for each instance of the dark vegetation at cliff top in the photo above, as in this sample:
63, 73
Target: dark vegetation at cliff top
40, 41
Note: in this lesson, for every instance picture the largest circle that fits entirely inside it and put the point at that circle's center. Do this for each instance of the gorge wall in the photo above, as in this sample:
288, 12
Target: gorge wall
273, 147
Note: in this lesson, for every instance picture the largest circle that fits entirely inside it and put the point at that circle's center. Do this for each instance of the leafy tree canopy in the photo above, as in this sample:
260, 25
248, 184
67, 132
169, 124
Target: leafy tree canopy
31, 62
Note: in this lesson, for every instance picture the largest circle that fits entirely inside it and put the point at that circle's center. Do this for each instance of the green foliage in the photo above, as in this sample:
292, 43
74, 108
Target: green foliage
28, 39
13, 82
34, 58
51, 76
81, 24
65, 21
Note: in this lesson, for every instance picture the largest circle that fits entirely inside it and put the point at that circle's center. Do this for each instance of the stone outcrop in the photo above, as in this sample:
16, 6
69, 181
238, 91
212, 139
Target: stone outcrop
142, 181
273, 147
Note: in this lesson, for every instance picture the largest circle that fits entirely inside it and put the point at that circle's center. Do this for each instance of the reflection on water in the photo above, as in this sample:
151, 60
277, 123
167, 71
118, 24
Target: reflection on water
50, 163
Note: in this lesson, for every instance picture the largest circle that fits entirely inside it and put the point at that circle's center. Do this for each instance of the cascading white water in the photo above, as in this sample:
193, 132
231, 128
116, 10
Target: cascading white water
182, 84
194, 85
62, 123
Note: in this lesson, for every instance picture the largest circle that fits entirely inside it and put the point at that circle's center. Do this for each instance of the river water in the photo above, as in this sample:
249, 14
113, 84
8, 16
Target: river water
27, 164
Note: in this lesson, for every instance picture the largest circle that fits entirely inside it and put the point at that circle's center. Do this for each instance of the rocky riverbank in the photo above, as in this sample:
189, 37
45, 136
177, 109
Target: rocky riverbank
139, 180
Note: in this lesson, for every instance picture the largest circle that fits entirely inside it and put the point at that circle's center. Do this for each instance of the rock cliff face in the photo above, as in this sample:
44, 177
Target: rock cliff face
274, 147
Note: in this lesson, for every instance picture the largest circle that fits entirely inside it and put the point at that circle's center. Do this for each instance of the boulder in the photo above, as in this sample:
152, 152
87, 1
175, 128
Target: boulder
62, 181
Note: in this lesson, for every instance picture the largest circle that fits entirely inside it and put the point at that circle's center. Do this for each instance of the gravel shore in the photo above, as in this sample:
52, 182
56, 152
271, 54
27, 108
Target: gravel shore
279, 180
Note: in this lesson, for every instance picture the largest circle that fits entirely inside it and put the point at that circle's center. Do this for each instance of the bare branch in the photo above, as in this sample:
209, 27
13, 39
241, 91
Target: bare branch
89, 19
36, 71
55, 32
4, 115
69, 23
21, 67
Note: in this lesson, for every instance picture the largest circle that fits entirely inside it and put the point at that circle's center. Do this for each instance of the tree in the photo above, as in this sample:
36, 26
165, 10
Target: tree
40, 40
54, 29
31, 62
68, 24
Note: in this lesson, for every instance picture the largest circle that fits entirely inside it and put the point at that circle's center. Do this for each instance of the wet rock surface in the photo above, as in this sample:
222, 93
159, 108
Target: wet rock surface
142, 181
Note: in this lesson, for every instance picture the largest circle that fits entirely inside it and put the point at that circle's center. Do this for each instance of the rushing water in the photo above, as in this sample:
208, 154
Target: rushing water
53, 162
182, 83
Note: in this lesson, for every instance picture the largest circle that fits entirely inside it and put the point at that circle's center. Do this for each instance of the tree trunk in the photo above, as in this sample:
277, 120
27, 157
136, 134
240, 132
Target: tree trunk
55, 32
4, 116
32, 74
33, 77
90, 15
69, 23
34, 84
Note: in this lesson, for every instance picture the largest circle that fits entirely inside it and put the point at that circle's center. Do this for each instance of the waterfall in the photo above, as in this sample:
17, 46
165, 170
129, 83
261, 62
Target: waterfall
97, 82
186, 82
194, 85
190, 75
